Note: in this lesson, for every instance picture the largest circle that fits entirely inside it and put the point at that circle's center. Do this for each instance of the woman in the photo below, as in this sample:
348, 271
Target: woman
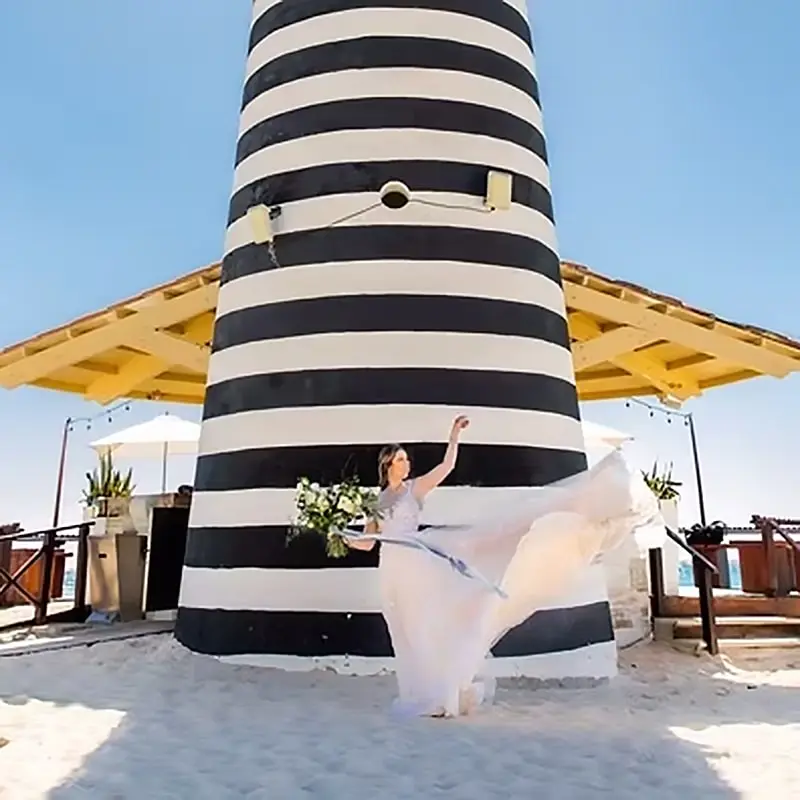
443, 624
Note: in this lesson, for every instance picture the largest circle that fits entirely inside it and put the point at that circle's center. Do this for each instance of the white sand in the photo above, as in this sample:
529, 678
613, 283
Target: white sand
145, 719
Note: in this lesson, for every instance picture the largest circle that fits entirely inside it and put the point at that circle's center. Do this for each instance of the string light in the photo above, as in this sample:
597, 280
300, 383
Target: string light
108, 413
688, 421
669, 413
69, 427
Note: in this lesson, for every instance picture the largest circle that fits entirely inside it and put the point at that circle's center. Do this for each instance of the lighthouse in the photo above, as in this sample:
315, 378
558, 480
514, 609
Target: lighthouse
390, 261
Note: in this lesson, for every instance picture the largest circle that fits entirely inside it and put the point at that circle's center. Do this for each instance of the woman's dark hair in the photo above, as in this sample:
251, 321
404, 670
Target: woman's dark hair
385, 459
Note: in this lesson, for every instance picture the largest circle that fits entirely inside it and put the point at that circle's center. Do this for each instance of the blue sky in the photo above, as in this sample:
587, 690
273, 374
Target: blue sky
672, 133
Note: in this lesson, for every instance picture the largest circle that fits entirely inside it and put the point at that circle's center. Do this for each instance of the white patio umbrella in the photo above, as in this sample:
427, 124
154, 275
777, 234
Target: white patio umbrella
160, 437
596, 435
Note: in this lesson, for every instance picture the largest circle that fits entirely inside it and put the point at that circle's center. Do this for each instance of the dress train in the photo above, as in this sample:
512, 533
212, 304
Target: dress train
442, 614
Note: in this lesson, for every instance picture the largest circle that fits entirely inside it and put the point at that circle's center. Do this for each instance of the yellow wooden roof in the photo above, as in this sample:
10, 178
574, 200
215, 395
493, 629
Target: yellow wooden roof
627, 341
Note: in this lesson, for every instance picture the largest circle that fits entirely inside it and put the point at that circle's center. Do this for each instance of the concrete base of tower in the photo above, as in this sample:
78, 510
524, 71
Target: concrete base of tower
331, 619
591, 663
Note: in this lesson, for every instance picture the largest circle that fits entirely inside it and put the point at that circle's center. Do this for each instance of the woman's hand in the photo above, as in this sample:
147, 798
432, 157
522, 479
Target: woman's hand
459, 424
430, 480
370, 528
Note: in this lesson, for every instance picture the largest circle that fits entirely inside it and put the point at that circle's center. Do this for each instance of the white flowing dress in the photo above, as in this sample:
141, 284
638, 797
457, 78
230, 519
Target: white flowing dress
443, 624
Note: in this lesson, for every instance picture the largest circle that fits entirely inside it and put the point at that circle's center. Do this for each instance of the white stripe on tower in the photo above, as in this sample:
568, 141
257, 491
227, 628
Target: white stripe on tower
365, 324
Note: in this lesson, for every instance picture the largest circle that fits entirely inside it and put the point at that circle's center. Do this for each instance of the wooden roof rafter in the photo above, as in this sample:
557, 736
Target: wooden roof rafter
627, 341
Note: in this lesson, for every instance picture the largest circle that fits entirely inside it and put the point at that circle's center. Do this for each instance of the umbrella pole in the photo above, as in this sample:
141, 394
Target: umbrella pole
164, 469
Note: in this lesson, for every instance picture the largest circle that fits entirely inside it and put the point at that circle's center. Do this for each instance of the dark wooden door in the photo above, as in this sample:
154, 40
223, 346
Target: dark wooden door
168, 531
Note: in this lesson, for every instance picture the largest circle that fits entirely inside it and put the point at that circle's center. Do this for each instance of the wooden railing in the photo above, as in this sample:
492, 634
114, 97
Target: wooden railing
704, 569
769, 527
51, 540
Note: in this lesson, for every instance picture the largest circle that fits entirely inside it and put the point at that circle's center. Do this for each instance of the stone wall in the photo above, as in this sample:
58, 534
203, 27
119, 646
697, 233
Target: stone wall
629, 593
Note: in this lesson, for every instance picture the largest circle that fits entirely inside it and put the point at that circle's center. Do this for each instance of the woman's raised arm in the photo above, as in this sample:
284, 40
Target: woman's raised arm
430, 480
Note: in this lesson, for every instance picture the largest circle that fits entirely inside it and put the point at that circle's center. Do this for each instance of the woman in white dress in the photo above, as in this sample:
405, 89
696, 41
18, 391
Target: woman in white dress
443, 624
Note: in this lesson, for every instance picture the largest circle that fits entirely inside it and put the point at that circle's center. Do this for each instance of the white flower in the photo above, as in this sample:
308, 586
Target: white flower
347, 505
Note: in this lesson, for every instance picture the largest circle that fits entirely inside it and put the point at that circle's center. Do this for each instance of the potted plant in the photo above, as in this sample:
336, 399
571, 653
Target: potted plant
667, 491
108, 491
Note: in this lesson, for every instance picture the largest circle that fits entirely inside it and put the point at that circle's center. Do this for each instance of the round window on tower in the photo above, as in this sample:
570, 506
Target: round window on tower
395, 194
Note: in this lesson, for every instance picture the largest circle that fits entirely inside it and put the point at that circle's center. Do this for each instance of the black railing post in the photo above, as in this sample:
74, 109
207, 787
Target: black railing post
82, 568
704, 570
49, 552
707, 616
657, 585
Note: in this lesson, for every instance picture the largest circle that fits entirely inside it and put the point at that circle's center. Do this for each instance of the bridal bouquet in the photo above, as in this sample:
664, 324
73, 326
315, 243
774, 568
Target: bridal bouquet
328, 510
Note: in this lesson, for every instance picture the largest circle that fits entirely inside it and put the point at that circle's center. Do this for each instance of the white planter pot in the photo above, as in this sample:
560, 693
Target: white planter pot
669, 510
671, 553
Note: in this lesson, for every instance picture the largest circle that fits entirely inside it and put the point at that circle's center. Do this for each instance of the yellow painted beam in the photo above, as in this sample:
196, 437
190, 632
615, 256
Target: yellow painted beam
669, 327
653, 371
694, 360
166, 389
728, 378
612, 391
139, 370
605, 346
60, 386
81, 347
171, 349
169, 397
142, 369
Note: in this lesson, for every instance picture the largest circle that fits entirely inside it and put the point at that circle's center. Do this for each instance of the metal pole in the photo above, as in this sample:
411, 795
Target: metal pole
61, 467
698, 477
164, 469
62, 461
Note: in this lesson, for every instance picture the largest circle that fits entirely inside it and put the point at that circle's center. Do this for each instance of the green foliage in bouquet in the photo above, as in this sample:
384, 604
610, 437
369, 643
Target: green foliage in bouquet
328, 510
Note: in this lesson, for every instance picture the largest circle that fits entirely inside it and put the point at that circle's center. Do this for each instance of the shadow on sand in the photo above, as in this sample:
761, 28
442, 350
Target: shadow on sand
194, 728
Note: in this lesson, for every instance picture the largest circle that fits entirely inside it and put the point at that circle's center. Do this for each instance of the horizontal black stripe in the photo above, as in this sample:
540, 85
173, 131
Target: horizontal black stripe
380, 52
295, 633
557, 630
478, 465
408, 386
266, 547
384, 113
269, 547
389, 312
283, 14
394, 242
369, 176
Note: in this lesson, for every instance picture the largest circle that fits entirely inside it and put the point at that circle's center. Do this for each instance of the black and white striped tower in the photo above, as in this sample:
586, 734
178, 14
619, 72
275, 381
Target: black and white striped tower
361, 324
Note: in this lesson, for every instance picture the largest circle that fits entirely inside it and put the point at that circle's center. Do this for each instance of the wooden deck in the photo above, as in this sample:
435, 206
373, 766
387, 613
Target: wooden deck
729, 603
27, 641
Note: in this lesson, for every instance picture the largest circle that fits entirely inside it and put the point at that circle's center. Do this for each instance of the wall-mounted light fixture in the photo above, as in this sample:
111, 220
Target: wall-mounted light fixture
499, 187
261, 218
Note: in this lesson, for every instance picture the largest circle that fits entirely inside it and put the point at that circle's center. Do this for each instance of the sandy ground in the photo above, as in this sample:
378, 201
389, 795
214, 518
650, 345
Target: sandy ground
16, 615
145, 719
